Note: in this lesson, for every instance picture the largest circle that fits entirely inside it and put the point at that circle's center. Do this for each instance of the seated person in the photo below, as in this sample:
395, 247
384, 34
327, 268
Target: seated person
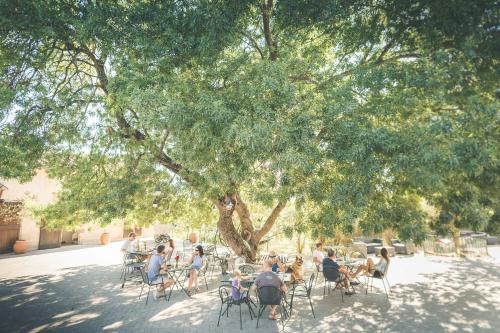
277, 266
130, 244
374, 270
318, 254
330, 261
156, 263
237, 290
269, 278
197, 261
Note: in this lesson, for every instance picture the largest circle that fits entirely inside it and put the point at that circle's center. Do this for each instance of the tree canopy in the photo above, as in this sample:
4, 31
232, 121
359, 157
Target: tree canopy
353, 110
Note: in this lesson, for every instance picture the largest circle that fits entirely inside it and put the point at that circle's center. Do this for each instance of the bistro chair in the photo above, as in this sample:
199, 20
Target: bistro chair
246, 269
332, 275
319, 271
228, 300
382, 277
130, 268
203, 273
158, 281
303, 289
270, 295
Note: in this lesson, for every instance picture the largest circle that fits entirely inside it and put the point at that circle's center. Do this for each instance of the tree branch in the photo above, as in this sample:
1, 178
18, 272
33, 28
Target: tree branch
270, 221
266, 19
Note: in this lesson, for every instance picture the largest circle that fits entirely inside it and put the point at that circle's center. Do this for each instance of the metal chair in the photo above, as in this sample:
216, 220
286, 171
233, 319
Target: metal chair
227, 299
246, 269
203, 273
382, 277
130, 267
303, 290
270, 295
319, 271
150, 284
332, 274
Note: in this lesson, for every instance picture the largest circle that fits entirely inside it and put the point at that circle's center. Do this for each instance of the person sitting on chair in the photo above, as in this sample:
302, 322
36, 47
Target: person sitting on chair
269, 278
318, 254
130, 244
375, 270
156, 263
277, 265
330, 261
197, 261
236, 287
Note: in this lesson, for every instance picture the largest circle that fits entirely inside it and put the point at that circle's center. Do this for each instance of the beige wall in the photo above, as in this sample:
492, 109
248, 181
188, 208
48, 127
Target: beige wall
41, 190
90, 234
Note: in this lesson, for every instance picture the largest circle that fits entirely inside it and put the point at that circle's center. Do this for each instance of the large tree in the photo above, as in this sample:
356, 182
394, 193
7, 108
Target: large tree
340, 104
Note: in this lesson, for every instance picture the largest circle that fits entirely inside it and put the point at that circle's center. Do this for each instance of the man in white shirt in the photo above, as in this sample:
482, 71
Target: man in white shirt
318, 254
130, 244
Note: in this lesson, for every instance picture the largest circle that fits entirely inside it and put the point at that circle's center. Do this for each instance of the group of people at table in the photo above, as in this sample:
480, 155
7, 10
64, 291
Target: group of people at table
267, 273
158, 265
349, 278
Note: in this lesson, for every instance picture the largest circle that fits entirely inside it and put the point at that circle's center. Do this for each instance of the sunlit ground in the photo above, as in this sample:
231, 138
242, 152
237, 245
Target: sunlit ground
77, 289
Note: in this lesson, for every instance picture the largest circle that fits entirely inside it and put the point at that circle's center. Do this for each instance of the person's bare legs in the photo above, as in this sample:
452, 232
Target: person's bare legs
369, 267
193, 279
272, 312
190, 281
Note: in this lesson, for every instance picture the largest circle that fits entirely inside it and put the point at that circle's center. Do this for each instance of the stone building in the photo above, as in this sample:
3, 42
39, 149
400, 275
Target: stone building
17, 223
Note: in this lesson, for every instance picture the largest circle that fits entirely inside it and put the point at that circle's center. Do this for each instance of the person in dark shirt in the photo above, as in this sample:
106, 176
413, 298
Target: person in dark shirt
330, 261
269, 278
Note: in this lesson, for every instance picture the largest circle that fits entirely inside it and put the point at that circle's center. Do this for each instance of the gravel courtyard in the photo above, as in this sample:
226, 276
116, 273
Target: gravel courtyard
77, 289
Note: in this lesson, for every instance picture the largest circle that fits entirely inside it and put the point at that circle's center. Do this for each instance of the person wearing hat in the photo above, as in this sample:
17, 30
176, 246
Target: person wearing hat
277, 266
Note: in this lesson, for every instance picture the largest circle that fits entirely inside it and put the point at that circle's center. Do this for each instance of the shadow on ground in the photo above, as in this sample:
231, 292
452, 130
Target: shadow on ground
462, 299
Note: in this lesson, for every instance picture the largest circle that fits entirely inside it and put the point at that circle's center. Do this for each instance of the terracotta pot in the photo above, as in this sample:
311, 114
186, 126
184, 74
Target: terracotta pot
105, 238
193, 237
20, 246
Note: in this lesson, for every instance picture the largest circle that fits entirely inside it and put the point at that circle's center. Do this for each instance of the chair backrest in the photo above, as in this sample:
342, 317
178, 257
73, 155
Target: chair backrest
246, 269
331, 273
269, 295
144, 276
263, 257
204, 268
169, 256
311, 282
386, 268
224, 293
319, 268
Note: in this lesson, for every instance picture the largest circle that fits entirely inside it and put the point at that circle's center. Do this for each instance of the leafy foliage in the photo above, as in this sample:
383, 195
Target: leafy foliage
355, 111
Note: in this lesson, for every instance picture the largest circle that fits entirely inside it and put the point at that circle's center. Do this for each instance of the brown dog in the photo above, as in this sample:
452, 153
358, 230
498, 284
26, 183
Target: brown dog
296, 269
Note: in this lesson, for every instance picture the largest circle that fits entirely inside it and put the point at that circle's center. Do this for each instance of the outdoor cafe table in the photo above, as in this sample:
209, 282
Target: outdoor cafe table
352, 265
176, 274
250, 279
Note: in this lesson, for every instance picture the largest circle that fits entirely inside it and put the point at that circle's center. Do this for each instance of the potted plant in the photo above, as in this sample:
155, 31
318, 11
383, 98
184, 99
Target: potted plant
105, 238
20, 246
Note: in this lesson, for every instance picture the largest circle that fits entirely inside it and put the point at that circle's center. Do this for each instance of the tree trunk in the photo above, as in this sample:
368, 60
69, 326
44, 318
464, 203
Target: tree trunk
246, 242
456, 240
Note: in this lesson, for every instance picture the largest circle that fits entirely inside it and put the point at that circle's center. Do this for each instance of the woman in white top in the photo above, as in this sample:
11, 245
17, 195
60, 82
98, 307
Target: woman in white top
373, 269
129, 244
318, 254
